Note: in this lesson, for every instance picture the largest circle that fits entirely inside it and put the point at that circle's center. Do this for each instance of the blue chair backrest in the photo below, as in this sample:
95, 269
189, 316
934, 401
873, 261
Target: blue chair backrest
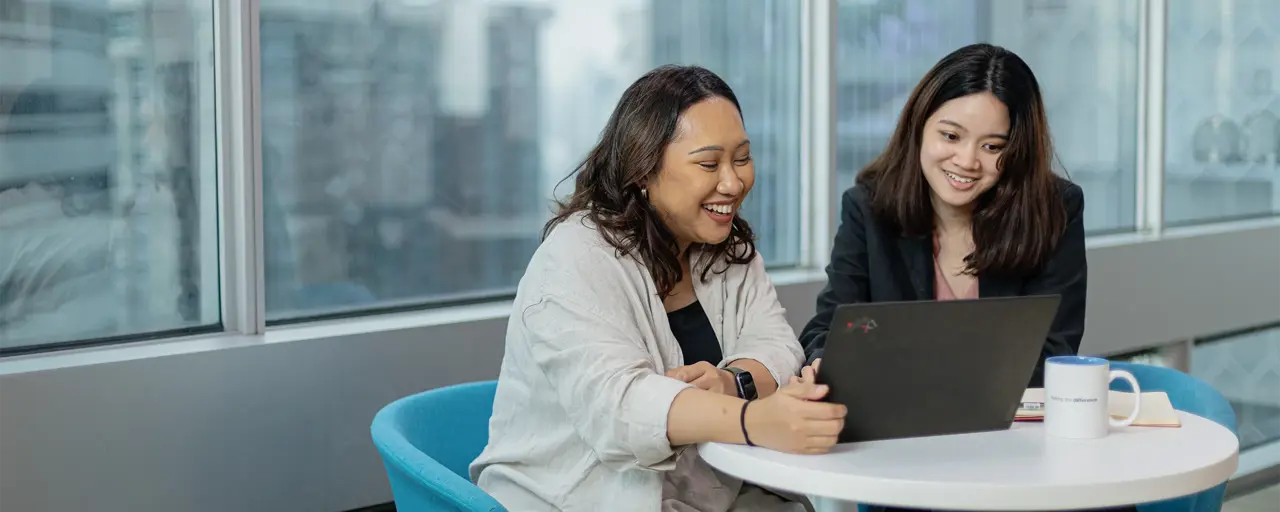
1187, 394
428, 440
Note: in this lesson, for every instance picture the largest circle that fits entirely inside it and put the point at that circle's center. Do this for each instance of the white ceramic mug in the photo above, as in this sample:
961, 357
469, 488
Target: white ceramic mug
1075, 397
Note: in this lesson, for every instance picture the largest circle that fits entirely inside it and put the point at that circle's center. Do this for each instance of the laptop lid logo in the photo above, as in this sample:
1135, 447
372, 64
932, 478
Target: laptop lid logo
863, 324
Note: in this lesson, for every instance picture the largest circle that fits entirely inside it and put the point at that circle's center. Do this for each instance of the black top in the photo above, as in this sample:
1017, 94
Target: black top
871, 262
693, 330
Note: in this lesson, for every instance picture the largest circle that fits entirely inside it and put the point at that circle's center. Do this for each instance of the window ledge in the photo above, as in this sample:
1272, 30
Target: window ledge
495, 310
124, 352
1119, 239
785, 277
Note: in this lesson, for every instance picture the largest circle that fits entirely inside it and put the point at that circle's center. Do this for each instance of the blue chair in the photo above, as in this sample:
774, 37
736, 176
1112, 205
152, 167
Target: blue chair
428, 440
1188, 394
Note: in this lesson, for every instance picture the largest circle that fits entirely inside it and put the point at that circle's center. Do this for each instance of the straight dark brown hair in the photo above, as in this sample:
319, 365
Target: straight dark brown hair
1018, 222
630, 151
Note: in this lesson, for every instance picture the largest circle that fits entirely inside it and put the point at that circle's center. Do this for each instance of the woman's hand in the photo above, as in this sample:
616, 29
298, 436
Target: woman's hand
808, 374
792, 420
704, 375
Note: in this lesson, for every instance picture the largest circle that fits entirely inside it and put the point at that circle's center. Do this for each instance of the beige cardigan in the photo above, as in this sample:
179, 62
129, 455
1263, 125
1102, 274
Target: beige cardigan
580, 417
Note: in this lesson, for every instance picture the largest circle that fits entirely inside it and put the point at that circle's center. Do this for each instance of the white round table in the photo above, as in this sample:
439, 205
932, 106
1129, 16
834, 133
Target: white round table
1016, 469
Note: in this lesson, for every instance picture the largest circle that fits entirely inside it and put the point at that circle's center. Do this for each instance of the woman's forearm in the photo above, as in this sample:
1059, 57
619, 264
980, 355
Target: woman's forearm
765, 383
700, 416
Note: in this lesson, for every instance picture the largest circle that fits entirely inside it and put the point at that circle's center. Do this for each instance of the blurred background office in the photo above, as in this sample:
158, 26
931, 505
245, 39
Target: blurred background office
232, 230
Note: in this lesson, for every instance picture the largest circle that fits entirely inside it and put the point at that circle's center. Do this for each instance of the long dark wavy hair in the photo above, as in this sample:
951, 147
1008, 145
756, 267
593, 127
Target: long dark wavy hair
630, 152
1018, 222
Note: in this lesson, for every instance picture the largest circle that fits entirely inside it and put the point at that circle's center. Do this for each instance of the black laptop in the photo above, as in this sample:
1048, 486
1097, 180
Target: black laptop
926, 368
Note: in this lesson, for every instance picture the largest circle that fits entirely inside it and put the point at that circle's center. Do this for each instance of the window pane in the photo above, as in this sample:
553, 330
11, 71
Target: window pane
411, 148
1084, 54
1222, 111
1246, 369
107, 170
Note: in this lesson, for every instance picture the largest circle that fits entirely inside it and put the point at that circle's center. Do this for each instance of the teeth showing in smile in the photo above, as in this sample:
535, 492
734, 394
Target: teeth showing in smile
959, 178
722, 209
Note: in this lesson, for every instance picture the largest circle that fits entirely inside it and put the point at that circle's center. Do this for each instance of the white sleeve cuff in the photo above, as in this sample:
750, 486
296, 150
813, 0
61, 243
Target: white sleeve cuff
646, 410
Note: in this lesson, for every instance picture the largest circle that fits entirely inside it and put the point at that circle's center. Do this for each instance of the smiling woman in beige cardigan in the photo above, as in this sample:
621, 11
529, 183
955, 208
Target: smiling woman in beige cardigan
645, 324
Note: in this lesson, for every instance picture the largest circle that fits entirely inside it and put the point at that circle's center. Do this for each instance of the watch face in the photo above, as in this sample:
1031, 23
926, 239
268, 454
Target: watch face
746, 384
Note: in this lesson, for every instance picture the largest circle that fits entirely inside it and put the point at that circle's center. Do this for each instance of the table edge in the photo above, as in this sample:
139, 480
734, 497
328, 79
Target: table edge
959, 496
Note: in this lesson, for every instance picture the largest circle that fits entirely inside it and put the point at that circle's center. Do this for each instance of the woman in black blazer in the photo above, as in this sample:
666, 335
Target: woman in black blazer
963, 202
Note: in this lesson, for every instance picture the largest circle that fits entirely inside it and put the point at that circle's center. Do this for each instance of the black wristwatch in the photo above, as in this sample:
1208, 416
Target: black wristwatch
746, 384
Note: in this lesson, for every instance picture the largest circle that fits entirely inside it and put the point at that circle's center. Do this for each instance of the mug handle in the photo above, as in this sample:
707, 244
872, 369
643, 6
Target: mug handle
1137, 398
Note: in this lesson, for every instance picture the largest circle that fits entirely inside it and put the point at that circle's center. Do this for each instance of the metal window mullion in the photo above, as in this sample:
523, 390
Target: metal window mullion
240, 167
806, 127
818, 130
1151, 127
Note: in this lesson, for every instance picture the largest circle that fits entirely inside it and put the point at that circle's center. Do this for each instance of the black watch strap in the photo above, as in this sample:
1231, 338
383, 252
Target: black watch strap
745, 382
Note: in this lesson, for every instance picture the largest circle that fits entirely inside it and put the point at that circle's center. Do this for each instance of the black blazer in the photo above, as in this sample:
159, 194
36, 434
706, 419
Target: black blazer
873, 263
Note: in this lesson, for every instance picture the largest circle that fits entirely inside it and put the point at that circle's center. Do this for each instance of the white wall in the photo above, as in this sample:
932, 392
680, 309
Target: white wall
281, 422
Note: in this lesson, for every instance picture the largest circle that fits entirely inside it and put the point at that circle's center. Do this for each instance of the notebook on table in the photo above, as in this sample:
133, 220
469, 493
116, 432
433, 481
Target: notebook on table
1156, 411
